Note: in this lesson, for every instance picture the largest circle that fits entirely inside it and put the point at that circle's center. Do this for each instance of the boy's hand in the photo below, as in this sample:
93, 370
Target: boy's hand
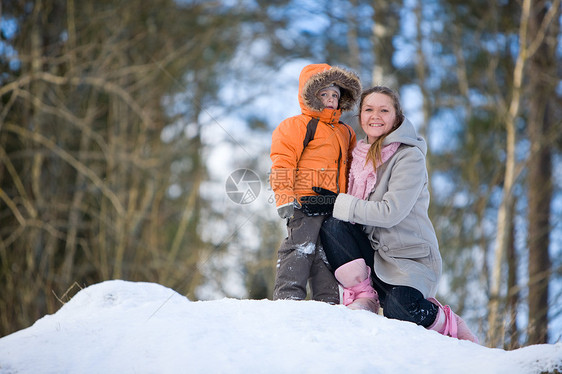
320, 205
286, 211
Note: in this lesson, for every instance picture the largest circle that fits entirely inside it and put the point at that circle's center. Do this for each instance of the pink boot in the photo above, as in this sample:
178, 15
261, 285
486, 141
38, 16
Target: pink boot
450, 324
355, 277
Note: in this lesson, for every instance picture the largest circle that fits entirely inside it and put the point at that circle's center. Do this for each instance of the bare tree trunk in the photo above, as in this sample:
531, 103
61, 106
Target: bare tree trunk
421, 74
505, 213
354, 56
385, 28
542, 86
512, 291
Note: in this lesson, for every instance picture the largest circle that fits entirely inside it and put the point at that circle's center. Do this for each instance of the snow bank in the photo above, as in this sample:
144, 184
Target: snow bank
126, 327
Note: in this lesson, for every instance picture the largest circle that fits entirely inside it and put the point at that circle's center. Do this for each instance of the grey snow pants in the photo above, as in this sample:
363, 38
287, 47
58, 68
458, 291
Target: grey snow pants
301, 259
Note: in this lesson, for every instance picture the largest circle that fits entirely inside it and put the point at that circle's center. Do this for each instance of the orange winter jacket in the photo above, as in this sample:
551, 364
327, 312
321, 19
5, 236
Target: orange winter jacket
326, 159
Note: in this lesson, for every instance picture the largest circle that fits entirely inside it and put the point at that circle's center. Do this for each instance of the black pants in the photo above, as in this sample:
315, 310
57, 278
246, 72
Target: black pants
344, 242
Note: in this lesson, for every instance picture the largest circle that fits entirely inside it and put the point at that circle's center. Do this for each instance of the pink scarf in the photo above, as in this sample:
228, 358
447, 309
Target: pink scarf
362, 176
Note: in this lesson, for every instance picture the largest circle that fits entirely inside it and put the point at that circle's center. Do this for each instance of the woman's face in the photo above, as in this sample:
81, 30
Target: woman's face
377, 115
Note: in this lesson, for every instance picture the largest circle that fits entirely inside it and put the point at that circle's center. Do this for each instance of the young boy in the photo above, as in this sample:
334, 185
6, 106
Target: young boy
311, 149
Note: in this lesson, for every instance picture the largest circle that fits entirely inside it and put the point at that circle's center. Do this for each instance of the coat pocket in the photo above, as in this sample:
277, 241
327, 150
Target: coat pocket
415, 251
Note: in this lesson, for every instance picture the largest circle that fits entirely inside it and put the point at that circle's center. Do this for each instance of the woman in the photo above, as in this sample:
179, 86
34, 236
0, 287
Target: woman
383, 223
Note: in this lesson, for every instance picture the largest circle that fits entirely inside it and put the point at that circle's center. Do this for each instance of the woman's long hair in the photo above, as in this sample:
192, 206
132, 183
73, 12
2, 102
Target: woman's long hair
375, 151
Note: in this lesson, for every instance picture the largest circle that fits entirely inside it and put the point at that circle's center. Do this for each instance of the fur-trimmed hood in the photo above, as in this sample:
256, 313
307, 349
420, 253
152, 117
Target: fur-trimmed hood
317, 76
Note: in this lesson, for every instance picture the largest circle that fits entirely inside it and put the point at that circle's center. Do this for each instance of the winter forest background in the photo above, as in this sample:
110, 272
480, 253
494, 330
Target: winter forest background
121, 122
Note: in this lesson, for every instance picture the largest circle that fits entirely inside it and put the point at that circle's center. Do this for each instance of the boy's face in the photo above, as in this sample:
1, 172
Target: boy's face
329, 98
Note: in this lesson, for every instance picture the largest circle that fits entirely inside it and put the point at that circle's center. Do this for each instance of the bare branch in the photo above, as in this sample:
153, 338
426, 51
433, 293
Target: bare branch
90, 174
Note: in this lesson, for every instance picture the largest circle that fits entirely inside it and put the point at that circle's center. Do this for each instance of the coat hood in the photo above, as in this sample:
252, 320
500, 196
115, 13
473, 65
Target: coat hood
317, 76
406, 134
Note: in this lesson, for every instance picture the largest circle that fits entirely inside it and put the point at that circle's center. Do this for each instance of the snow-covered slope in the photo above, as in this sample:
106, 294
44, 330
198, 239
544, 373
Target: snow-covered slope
126, 327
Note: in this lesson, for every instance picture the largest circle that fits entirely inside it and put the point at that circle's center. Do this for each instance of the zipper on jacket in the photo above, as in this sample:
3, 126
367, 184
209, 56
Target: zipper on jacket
339, 160
338, 175
332, 119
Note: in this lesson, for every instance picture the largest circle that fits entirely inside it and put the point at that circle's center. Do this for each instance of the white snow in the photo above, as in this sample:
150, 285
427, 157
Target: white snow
127, 327
306, 248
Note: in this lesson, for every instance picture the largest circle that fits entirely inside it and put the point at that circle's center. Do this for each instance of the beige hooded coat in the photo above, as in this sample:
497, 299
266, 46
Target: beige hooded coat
395, 217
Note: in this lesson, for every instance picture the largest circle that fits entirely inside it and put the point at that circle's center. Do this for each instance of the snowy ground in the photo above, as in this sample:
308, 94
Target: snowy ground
126, 327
